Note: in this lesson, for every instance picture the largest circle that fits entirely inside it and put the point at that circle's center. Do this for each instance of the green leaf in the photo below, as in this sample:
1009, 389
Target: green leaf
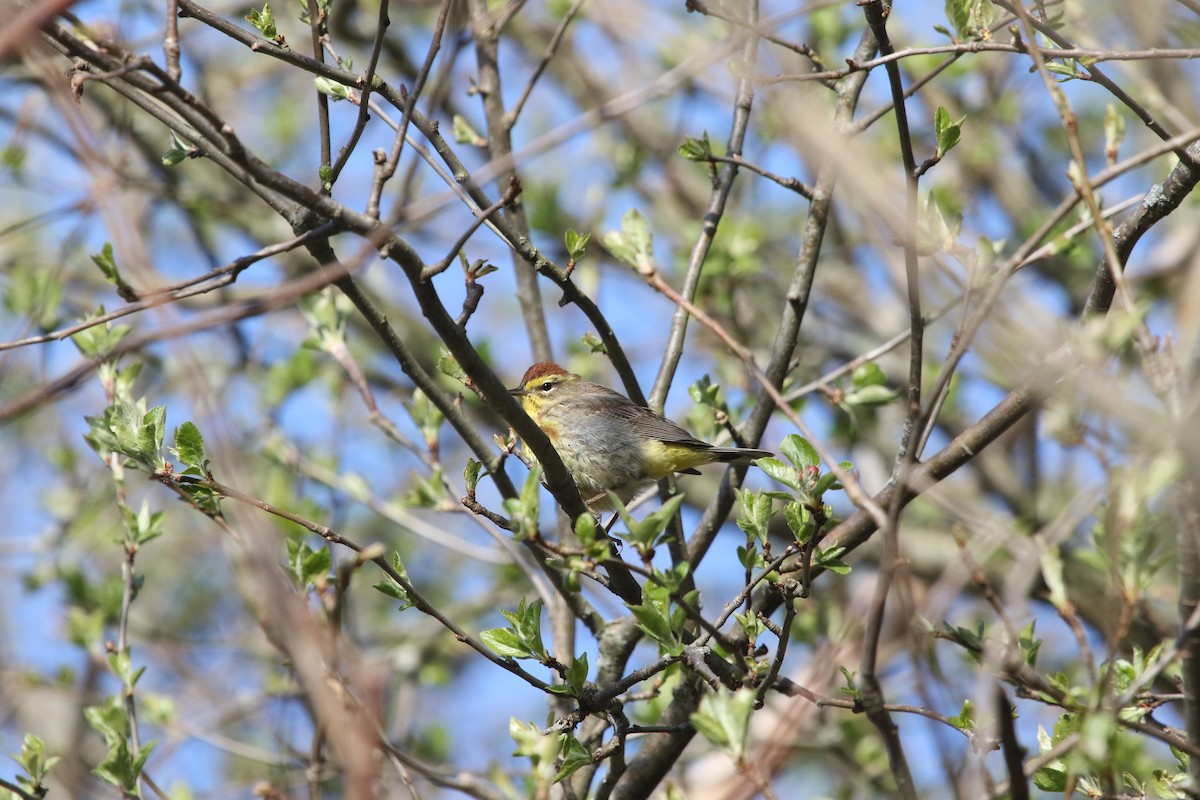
799, 521
308, 564
139, 761
724, 719
32, 759
425, 490
189, 446
1053, 776
633, 244
125, 424
505, 643
594, 343
965, 719
970, 19
871, 396
393, 588
672, 580
705, 392
948, 131
829, 559
331, 88
577, 673
85, 628
33, 291
798, 451
750, 557
107, 263
120, 767
99, 340
694, 149
327, 313
851, 688
464, 133
754, 513
936, 234
750, 623
958, 14
427, 417
1030, 644
151, 432
143, 526
780, 472
122, 667
576, 244
523, 638
178, 151
1114, 131
126, 429
574, 756
263, 21
205, 499
447, 365
523, 510
649, 532
1068, 68
594, 545
655, 618
471, 474
869, 374
829, 481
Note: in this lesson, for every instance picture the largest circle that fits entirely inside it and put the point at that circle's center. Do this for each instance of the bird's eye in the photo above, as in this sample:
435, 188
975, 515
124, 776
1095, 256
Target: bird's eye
547, 386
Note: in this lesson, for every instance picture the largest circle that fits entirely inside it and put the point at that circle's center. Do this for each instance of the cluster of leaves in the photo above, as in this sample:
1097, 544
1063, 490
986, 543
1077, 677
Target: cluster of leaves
129, 435
804, 508
668, 609
35, 765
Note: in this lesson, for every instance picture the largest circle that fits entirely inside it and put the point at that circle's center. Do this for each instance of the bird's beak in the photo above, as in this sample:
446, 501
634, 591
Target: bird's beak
518, 392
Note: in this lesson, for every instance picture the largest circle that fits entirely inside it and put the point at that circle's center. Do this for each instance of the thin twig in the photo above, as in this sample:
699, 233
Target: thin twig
220, 277
871, 690
853, 490
484, 215
1014, 754
795, 301
1093, 73
457, 779
265, 303
19, 791
316, 29
791, 184
713, 213
763, 30
171, 41
790, 688
485, 30
510, 119
364, 98
330, 535
965, 48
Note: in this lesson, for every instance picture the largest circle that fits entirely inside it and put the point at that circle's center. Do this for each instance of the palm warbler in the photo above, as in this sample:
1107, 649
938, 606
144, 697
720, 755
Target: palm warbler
607, 441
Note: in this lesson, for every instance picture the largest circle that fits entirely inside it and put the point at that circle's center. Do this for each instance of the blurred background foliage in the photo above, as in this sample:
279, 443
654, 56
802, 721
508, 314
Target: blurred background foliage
1054, 563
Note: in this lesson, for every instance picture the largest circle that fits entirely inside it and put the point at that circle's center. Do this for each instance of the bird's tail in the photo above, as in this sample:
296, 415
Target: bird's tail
738, 455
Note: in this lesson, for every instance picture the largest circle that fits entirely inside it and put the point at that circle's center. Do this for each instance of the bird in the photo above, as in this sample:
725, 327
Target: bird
606, 441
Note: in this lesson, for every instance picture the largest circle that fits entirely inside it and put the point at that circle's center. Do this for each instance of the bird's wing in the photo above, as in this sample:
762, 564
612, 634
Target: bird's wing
649, 424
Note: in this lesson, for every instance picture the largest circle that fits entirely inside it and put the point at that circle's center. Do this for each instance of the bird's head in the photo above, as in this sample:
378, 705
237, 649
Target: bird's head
542, 384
